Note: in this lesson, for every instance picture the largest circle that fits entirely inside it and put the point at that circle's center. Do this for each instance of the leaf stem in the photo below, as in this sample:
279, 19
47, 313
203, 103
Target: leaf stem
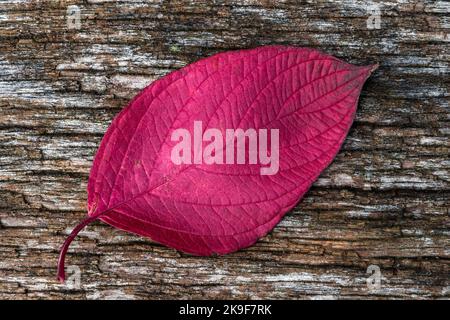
62, 255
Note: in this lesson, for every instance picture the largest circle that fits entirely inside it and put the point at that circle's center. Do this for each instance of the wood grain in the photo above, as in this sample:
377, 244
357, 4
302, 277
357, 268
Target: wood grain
384, 201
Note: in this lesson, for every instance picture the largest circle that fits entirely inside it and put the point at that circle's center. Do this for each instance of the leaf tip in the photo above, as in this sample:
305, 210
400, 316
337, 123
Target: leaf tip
373, 67
369, 69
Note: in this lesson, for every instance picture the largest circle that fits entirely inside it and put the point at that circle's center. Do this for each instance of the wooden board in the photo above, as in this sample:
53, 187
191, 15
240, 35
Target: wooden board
383, 202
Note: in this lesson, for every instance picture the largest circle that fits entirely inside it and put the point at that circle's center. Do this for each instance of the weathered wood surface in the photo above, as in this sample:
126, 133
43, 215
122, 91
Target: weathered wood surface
384, 201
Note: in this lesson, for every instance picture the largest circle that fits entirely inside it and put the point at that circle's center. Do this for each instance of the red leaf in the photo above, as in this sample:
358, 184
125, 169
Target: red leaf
203, 209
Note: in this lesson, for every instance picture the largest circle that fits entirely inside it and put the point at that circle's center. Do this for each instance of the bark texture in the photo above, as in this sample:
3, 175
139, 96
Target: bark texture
383, 202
